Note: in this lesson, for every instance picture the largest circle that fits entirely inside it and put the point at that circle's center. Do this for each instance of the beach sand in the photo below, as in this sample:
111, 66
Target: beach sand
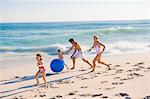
128, 79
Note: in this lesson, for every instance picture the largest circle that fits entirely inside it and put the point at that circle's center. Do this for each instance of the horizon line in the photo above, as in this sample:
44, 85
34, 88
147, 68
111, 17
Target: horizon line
77, 21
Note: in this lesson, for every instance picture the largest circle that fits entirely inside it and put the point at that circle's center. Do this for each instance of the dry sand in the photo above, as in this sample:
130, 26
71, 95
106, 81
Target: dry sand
128, 79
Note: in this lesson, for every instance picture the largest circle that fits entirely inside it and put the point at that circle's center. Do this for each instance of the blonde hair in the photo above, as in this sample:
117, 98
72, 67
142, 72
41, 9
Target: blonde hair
95, 36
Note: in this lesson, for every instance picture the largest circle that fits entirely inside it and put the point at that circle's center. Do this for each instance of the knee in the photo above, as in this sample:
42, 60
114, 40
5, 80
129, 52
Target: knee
35, 77
94, 61
73, 58
99, 61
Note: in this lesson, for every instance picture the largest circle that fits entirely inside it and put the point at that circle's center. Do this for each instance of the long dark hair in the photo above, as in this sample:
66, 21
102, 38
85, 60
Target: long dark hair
39, 56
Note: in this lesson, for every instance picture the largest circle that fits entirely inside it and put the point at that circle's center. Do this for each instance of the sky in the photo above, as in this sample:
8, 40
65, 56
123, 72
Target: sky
71, 10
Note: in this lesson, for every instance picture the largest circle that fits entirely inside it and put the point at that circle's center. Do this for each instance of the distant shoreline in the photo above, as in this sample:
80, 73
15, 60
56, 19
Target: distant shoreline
76, 21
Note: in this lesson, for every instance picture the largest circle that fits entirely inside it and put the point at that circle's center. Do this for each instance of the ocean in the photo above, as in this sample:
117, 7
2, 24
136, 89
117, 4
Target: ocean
30, 38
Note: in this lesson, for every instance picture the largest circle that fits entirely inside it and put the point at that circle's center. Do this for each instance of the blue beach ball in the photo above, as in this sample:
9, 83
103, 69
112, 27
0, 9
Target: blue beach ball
57, 65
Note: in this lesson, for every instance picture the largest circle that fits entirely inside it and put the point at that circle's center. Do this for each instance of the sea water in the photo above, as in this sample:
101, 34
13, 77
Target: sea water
30, 38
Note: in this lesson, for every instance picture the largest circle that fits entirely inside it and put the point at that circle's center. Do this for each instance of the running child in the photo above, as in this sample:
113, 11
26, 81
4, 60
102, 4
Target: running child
41, 69
60, 56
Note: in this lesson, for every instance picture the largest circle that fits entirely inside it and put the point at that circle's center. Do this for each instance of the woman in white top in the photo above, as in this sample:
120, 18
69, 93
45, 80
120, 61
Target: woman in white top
99, 48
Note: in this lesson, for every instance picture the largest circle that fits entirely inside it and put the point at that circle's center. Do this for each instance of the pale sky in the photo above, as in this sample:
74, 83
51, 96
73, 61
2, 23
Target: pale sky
91, 10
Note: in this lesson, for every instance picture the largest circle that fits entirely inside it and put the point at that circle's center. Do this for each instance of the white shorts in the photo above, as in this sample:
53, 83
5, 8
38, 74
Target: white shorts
78, 54
98, 50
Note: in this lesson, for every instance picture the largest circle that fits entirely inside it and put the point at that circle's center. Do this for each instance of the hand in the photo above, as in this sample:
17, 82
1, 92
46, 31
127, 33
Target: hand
102, 52
89, 50
71, 57
67, 52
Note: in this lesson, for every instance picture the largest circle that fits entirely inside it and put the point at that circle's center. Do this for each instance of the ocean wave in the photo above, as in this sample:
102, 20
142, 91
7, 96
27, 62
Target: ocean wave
51, 50
119, 29
114, 48
127, 47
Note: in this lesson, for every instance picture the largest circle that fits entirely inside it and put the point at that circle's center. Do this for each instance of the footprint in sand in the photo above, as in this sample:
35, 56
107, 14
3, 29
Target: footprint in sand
98, 73
122, 94
127, 63
113, 68
110, 88
17, 77
129, 70
128, 78
96, 95
64, 82
84, 95
83, 70
104, 72
135, 74
147, 69
119, 71
71, 93
141, 67
136, 69
116, 77
105, 75
42, 95
117, 83
21, 96
117, 66
102, 82
146, 97
35, 95
78, 77
141, 63
84, 86
104, 97
59, 96
83, 78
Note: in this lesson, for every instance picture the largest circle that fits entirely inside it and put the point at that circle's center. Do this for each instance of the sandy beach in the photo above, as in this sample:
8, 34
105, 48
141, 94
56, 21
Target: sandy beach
128, 79
83, 33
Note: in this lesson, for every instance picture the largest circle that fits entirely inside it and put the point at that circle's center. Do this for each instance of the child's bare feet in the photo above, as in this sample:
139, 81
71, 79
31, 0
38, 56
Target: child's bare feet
109, 66
93, 70
36, 84
45, 85
72, 68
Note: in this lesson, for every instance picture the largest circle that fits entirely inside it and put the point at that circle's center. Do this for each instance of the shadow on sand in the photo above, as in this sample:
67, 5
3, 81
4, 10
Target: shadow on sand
32, 86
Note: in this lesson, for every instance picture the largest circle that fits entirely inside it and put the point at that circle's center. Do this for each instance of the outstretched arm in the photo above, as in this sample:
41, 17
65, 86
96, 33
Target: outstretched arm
69, 49
91, 48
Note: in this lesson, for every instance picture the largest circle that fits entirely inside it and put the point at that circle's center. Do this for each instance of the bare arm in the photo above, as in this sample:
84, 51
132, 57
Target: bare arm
91, 48
69, 49
102, 45
61, 56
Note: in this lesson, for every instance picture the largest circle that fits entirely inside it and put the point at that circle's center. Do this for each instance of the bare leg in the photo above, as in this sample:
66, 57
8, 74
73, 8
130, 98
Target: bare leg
100, 62
44, 77
87, 62
67, 66
94, 62
37, 79
73, 59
